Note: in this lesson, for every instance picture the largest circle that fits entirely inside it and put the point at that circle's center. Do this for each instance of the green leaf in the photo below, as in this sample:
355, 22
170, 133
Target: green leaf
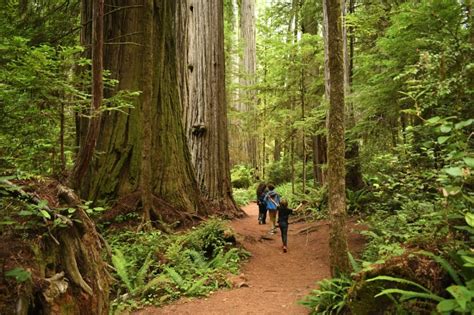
42, 203
461, 294
355, 266
469, 261
446, 306
469, 219
399, 280
71, 210
454, 171
45, 214
469, 161
7, 222
433, 120
25, 213
20, 274
406, 295
443, 139
446, 128
464, 123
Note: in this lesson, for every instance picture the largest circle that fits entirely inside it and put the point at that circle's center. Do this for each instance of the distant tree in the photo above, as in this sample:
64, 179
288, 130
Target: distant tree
248, 63
354, 175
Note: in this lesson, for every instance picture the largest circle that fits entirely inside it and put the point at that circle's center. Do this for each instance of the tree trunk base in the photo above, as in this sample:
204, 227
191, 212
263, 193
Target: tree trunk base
65, 278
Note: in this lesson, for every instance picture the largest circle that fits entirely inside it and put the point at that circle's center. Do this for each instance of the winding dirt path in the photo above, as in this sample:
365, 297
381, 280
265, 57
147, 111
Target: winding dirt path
274, 281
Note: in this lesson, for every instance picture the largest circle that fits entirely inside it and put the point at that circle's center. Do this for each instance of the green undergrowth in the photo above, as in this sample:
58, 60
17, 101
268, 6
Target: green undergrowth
153, 268
419, 256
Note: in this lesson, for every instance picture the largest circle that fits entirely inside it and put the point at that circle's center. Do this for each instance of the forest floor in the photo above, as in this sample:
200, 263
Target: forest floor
271, 282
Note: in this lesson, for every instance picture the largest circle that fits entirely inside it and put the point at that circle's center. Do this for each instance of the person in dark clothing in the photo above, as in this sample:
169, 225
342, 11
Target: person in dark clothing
283, 213
262, 205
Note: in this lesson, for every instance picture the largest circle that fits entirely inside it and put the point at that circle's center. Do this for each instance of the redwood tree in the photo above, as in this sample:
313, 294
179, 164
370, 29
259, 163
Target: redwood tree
248, 65
116, 171
336, 169
87, 146
203, 94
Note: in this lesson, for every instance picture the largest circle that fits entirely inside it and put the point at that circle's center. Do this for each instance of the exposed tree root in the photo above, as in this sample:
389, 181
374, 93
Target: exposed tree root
69, 250
58, 272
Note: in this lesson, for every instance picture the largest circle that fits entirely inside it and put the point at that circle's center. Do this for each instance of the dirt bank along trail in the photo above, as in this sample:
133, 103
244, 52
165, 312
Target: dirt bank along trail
271, 282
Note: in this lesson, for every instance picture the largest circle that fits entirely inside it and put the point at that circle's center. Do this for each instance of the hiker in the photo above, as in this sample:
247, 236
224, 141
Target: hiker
262, 205
283, 214
272, 200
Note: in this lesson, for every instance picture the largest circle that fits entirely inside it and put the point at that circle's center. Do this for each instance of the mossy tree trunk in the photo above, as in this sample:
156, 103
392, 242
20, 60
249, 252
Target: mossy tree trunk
339, 261
202, 85
117, 169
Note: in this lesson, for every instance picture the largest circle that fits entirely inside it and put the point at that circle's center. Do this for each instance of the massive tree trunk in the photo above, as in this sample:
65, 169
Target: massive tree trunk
116, 171
336, 170
202, 85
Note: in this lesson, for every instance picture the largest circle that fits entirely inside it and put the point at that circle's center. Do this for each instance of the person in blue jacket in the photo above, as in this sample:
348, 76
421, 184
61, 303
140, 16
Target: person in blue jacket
272, 200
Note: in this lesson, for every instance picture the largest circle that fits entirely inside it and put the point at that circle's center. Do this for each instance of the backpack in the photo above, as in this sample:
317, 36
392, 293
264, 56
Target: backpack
271, 196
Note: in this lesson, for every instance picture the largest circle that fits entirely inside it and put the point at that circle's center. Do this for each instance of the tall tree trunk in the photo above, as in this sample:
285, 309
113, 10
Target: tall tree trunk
354, 175
318, 142
303, 117
202, 86
339, 261
247, 98
146, 111
117, 171
87, 148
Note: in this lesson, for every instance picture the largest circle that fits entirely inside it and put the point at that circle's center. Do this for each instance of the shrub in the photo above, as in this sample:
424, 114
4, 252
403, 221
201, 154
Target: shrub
153, 268
241, 176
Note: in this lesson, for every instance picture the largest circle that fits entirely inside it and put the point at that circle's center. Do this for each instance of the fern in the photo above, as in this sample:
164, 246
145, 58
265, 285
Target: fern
161, 279
142, 272
176, 277
217, 262
197, 258
121, 266
233, 254
355, 266
406, 295
400, 280
197, 287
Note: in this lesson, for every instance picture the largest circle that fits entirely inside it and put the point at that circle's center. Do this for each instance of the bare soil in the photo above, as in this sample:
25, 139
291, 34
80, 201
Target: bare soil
271, 282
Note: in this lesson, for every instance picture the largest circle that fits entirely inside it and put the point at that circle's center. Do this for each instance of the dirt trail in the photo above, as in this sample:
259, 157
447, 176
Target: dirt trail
276, 280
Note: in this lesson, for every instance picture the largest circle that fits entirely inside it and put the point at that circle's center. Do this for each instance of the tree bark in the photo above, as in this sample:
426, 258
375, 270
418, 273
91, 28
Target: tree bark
87, 148
202, 86
146, 112
247, 98
117, 172
354, 175
339, 261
